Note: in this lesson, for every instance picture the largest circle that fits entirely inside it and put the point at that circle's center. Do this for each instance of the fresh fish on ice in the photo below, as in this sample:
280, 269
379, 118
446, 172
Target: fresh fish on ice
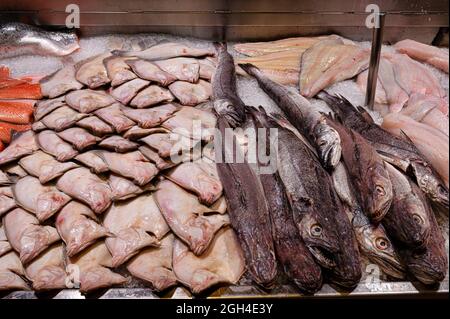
127, 91
136, 132
5, 247
52, 144
6, 204
118, 70
150, 71
60, 82
183, 69
150, 96
78, 137
62, 118
115, 117
223, 262
44, 166
92, 71
78, 227
96, 126
23, 145
26, 236
81, 184
154, 157
45, 107
169, 144
118, 144
19, 39
87, 101
191, 93
148, 118
123, 188
12, 273
207, 68
92, 161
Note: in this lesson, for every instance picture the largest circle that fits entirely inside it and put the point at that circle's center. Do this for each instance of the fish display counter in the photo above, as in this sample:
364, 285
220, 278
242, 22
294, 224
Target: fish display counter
222, 149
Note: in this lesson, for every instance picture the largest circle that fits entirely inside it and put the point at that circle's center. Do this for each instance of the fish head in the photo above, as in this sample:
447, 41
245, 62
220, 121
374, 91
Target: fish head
379, 249
328, 144
320, 240
428, 266
379, 199
430, 183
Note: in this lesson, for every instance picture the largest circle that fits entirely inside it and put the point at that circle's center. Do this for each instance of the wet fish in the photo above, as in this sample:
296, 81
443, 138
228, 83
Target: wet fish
292, 253
150, 71
94, 265
222, 263
432, 143
150, 96
52, 144
95, 126
4, 179
367, 171
26, 236
199, 177
44, 166
5, 247
114, 116
309, 121
78, 137
15, 171
45, 107
118, 144
407, 221
397, 151
194, 223
17, 112
118, 70
123, 188
373, 240
127, 91
87, 101
183, 69
7, 130
42, 201
92, 161
207, 68
78, 227
59, 82
248, 212
12, 273
81, 184
62, 118
132, 165
148, 118
328, 62
154, 265
92, 72
134, 224
18, 39
48, 271
309, 189
23, 145
191, 93
6, 204
162, 51
136, 132
169, 144
224, 93
154, 157
38, 126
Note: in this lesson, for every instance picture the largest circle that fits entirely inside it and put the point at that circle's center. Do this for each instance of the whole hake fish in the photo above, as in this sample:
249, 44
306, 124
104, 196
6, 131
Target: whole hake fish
294, 256
373, 241
310, 122
398, 152
226, 100
20, 39
367, 171
248, 212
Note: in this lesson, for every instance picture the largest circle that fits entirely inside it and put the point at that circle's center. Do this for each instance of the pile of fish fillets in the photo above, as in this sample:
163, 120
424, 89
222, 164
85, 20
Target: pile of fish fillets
108, 178
344, 187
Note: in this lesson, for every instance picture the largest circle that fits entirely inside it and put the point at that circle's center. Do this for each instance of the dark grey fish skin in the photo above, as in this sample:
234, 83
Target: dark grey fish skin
249, 214
407, 221
226, 100
430, 264
372, 239
20, 39
292, 253
399, 152
309, 122
367, 171
310, 192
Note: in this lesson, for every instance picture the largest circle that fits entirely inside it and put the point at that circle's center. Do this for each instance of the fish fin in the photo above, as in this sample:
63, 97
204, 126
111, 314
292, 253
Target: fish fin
406, 137
365, 114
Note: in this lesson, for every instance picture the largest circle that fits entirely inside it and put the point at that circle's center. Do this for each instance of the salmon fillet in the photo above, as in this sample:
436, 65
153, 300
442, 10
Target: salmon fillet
21, 91
18, 112
6, 130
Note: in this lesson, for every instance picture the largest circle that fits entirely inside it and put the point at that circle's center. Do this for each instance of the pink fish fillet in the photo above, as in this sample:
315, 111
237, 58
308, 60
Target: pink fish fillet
432, 143
425, 53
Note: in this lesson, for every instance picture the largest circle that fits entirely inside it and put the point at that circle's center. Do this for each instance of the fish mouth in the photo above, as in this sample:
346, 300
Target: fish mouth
379, 214
328, 145
390, 265
427, 275
323, 256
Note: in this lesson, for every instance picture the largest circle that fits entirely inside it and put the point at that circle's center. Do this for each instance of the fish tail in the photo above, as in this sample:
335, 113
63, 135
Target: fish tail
220, 46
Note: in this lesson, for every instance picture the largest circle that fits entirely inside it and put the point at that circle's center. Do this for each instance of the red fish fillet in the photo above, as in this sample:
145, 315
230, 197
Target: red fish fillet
21, 91
4, 72
2, 146
18, 112
6, 130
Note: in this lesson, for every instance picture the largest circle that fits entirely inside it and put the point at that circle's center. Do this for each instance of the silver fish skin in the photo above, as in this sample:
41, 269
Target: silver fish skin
397, 151
225, 97
20, 39
372, 239
305, 118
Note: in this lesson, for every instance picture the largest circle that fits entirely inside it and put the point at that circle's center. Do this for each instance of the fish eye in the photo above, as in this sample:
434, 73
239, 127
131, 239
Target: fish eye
442, 190
380, 190
381, 243
417, 219
316, 230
